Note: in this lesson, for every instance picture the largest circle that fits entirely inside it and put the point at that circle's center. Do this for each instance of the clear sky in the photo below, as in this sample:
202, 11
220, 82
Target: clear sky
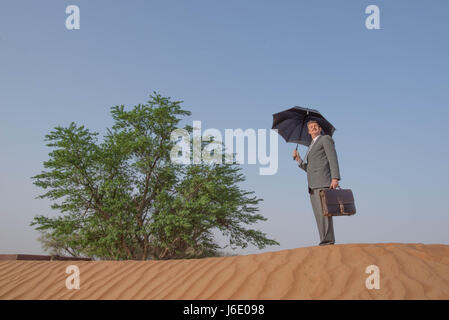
234, 64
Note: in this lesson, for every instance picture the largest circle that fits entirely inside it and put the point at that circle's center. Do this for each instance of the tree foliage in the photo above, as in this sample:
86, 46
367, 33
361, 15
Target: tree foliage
124, 198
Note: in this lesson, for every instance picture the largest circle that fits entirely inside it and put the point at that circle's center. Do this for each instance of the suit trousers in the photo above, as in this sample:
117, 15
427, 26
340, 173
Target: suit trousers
324, 223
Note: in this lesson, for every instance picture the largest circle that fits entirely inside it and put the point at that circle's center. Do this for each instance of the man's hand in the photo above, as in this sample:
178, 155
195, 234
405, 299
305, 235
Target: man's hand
296, 155
334, 184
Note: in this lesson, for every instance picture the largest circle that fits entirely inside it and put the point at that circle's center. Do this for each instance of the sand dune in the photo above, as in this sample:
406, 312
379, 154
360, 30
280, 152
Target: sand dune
407, 271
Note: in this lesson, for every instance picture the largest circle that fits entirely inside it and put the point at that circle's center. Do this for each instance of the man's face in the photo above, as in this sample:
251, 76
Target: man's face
314, 129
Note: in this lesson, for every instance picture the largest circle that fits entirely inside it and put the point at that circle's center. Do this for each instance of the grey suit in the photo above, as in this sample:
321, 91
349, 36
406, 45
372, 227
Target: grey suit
321, 168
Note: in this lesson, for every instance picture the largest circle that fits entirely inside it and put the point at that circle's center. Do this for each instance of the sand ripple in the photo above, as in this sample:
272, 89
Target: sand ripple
407, 271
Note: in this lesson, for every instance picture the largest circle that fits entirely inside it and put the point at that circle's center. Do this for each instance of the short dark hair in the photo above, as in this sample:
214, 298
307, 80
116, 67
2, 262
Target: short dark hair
312, 121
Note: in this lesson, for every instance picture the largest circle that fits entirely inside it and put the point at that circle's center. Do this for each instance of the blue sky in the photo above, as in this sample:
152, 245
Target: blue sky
234, 64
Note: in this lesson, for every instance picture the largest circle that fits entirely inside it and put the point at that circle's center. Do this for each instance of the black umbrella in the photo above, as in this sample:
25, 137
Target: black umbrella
292, 124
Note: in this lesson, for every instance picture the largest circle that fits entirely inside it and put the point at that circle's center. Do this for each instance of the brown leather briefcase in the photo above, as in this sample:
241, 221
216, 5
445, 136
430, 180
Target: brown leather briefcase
337, 202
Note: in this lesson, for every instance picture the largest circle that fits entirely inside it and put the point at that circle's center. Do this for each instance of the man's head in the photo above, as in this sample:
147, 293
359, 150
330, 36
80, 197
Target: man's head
314, 128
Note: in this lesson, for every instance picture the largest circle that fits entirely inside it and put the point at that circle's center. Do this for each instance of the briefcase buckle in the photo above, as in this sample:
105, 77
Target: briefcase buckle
342, 207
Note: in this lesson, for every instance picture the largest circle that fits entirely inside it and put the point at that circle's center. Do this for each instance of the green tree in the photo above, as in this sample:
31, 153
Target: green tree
125, 199
56, 246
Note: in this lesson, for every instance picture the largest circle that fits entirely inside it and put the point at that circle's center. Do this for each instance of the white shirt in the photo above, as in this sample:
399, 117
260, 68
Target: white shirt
313, 141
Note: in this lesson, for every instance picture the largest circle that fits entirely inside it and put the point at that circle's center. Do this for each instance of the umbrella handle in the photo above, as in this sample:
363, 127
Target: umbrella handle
296, 150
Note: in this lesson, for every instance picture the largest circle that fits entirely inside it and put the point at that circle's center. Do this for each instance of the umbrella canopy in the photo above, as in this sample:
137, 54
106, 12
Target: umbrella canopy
292, 124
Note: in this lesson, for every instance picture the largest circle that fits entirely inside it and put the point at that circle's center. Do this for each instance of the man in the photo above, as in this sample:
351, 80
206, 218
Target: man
321, 165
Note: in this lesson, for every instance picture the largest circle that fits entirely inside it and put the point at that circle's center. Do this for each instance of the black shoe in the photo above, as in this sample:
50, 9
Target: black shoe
326, 243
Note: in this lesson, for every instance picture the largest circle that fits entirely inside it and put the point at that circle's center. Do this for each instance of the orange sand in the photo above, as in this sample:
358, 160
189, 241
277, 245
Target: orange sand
407, 271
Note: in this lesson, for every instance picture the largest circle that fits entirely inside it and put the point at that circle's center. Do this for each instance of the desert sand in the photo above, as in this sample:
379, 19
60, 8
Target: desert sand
406, 271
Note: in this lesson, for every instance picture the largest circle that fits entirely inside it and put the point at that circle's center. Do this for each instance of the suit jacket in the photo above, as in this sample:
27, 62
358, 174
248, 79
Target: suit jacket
322, 163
